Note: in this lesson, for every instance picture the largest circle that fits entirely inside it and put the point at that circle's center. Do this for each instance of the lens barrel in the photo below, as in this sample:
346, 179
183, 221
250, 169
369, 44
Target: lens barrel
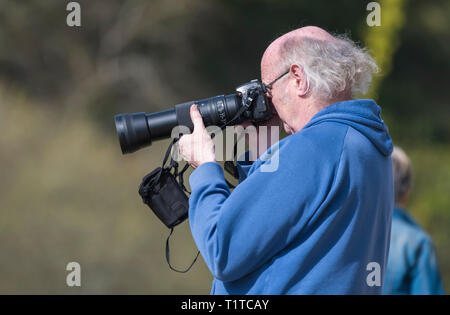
132, 131
138, 130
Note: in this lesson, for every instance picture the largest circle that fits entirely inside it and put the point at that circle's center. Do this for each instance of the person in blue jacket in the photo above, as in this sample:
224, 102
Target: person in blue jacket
412, 265
319, 222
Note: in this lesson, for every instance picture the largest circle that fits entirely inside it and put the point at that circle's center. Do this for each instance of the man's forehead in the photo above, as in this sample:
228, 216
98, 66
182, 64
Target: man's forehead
269, 61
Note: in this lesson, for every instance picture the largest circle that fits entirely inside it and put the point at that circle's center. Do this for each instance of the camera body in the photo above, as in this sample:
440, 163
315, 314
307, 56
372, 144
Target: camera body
253, 97
250, 103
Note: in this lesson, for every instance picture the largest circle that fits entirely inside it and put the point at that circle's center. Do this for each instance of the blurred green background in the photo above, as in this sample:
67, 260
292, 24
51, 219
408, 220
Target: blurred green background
68, 194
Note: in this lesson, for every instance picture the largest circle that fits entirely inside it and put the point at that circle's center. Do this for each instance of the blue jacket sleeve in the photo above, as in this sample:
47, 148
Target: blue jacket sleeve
238, 232
425, 275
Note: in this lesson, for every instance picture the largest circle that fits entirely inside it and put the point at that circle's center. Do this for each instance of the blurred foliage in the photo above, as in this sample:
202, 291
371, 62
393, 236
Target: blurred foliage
383, 41
67, 193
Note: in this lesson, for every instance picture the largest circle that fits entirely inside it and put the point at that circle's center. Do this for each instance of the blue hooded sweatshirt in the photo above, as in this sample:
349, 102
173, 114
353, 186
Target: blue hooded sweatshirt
318, 222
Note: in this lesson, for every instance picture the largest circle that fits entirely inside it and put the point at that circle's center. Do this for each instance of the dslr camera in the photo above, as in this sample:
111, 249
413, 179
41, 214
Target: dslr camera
249, 103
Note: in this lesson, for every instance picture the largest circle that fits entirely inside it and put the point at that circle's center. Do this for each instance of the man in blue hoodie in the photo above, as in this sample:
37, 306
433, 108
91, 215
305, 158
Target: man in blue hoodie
320, 222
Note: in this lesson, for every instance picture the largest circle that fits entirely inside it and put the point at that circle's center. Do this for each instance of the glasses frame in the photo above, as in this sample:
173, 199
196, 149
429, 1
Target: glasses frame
270, 85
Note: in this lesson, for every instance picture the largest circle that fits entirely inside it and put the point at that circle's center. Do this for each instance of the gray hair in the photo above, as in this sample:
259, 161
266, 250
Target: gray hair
402, 173
331, 67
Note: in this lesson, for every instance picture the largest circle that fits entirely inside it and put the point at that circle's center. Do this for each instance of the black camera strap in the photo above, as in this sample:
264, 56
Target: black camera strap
173, 164
229, 166
168, 256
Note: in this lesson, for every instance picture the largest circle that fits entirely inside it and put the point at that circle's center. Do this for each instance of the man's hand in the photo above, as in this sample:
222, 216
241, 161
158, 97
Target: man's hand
197, 148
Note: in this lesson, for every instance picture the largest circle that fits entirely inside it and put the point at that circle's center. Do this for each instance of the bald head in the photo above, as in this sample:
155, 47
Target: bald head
271, 57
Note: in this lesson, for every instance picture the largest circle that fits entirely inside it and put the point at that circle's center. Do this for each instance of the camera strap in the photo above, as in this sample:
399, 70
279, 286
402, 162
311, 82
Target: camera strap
168, 256
174, 165
230, 166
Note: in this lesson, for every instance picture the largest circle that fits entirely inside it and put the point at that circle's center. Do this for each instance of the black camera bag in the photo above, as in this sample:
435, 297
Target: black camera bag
166, 197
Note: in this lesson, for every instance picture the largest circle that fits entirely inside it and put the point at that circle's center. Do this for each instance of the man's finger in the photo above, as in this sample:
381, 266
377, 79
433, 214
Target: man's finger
196, 118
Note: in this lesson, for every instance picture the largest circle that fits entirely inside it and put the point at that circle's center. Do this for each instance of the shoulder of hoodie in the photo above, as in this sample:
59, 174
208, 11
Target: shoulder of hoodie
321, 143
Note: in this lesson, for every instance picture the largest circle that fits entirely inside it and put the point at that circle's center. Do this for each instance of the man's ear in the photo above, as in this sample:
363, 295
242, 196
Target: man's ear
301, 83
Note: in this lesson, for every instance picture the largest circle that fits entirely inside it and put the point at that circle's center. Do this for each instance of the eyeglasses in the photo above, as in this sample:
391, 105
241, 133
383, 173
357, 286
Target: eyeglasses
269, 86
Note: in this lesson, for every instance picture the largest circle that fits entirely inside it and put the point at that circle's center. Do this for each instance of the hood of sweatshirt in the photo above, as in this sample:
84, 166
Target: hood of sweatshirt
362, 115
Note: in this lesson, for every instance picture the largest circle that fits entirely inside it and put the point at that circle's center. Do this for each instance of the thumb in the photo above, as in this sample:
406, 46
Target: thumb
196, 118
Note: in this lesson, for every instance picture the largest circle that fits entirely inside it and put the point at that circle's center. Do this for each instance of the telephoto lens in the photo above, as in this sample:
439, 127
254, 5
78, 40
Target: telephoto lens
138, 130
